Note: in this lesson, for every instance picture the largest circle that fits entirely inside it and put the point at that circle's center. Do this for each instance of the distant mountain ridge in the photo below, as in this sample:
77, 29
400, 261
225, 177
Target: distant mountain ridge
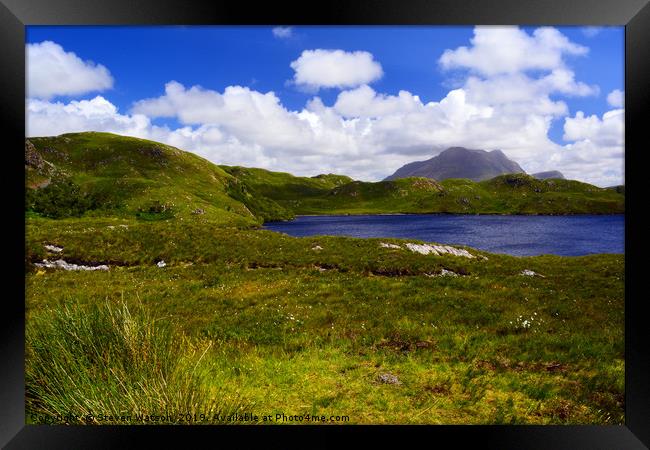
460, 162
548, 174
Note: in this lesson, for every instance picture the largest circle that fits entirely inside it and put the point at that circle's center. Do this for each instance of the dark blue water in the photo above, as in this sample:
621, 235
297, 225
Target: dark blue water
513, 235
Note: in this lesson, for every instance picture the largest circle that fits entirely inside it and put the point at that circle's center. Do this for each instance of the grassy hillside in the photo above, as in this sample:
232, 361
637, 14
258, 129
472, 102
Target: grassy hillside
105, 174
285, 189
101, 174
505, 194
620, 188
317, 326
199, 312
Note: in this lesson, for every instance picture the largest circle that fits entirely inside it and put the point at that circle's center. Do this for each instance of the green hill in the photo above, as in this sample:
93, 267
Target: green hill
100, 174
149, 291
284, 188
620, 188
105, 174
505, 194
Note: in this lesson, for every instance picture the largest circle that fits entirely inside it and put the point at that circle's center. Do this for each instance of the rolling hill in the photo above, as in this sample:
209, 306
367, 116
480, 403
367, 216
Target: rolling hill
505, 194
100, 174
190, 308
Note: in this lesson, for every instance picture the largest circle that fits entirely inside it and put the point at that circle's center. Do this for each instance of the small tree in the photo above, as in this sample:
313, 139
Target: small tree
59, 199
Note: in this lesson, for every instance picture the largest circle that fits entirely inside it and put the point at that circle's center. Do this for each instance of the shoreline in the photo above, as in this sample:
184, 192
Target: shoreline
446, 214
341, 219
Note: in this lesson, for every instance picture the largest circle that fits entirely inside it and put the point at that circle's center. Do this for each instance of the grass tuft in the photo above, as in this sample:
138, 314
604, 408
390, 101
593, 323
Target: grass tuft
111, 360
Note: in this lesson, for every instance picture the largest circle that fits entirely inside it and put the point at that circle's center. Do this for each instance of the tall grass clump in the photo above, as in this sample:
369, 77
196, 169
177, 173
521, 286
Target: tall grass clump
86, 364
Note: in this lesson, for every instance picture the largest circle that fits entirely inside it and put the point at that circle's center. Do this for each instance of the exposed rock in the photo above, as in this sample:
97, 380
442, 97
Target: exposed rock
388, 378
56, 153
317, 247
530, 273
153, 152
426, 184
447, 273
53, 248
161, 264
42, 184
198, 211
437, 250
61, 264
32, 157
385, 245
443, 273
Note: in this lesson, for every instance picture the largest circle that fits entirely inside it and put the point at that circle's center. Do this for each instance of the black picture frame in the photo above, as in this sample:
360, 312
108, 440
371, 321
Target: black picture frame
16, 14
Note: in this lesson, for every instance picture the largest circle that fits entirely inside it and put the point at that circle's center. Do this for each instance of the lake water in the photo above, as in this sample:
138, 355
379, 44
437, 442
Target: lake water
513, 235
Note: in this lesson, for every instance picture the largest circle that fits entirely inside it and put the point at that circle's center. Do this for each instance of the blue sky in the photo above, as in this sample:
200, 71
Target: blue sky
142, 60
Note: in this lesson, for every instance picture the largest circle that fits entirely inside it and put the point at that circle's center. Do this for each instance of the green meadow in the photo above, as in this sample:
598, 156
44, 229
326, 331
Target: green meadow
202, 315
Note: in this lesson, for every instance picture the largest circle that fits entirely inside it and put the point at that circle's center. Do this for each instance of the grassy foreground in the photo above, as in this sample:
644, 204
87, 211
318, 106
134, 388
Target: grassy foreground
203, 318
245, 321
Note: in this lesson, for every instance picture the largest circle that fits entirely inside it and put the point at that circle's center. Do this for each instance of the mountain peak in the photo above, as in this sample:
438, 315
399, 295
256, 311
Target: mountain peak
460, 162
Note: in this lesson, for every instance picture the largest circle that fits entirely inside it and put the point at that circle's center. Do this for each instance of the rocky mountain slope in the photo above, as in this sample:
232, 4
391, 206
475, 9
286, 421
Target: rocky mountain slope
460, 162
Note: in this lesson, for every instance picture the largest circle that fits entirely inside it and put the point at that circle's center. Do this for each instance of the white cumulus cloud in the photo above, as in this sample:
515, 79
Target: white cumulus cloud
46, 118
605, 131
368, 134
252, 116
52, 71
500, 49
616, 98
597, 153
523, 77
365, 102
319, 68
